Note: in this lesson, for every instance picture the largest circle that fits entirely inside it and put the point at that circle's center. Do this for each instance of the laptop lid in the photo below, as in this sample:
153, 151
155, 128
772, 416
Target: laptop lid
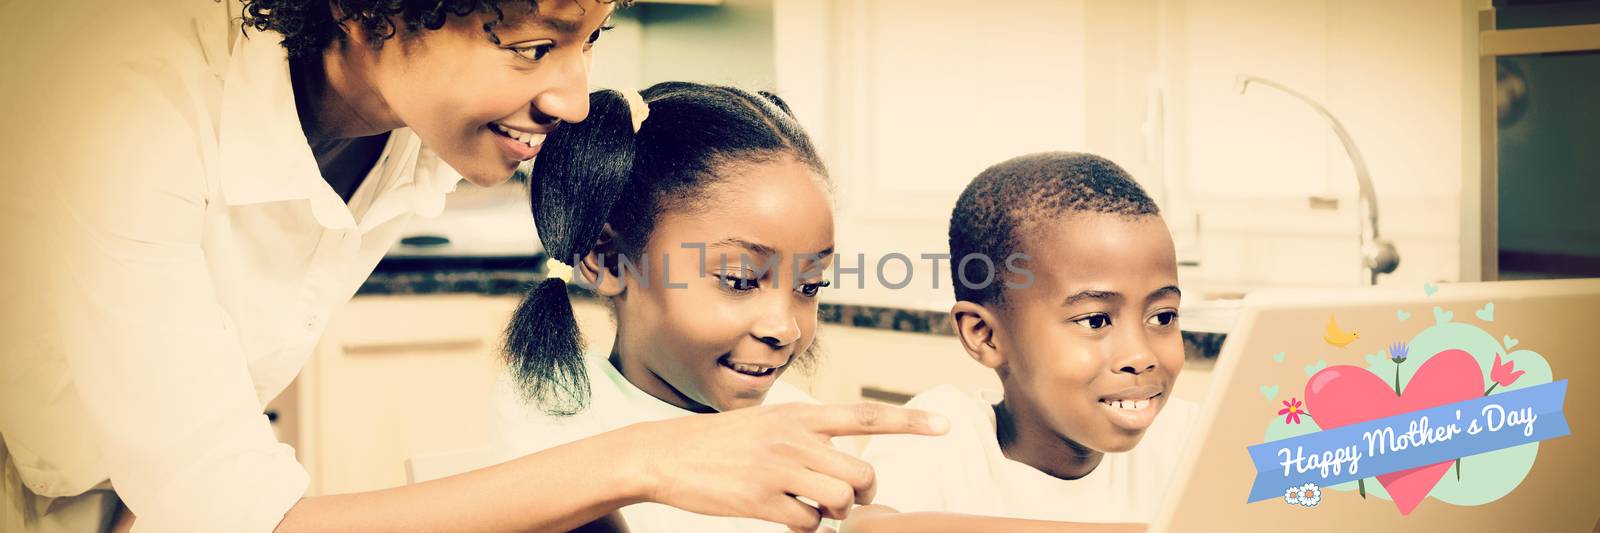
1306, 428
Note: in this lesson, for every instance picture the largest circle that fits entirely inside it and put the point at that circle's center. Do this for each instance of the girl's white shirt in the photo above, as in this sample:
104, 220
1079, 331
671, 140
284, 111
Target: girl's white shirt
615, 402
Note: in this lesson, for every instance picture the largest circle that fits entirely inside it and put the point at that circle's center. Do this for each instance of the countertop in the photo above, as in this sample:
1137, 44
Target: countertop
1205, 323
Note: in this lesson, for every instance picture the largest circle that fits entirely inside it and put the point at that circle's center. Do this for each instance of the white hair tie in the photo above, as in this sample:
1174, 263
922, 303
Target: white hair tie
637, 108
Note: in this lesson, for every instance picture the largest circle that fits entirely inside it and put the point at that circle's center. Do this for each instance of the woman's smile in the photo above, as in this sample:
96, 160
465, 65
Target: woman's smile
519, 144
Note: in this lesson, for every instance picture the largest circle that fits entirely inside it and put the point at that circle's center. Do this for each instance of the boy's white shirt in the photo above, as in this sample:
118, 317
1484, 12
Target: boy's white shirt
615, 402
964, 471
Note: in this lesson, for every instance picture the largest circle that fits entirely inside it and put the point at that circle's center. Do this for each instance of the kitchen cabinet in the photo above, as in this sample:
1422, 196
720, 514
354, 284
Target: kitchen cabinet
394, 377
909, 100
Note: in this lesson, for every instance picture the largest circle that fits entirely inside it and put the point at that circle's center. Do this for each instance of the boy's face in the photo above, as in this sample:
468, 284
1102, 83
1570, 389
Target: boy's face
1092, 347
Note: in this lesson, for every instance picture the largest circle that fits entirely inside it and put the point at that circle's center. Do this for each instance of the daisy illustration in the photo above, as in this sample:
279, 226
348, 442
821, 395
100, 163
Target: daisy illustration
1291, 495
1292, 410
1310, 494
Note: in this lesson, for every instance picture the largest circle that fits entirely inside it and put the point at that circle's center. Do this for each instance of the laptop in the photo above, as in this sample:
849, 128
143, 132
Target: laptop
1348, 411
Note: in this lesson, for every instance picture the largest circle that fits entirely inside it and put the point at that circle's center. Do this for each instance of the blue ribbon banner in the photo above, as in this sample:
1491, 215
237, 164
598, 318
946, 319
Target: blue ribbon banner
1410, 440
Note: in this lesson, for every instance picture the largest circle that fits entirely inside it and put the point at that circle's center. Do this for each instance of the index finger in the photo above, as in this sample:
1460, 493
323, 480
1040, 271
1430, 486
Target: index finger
872, 419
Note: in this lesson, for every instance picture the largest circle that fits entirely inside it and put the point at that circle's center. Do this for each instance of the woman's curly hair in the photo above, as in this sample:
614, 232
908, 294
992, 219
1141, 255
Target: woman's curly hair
310, 26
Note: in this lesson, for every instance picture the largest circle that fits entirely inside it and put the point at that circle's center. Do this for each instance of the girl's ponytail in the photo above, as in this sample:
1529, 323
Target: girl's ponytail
545, 350
581, 171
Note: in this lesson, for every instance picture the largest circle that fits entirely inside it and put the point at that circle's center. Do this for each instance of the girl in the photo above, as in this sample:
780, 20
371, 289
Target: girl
197, 198
706, 230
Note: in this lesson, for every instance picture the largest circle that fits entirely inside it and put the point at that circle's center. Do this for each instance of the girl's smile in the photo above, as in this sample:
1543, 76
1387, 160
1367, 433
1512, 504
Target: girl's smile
753, 378
750, 369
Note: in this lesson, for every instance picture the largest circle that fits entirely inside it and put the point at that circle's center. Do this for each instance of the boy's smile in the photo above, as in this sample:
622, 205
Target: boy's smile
1135, 408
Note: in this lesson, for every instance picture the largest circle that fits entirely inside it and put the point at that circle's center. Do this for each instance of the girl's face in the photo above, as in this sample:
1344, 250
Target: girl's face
711, 331
484, 108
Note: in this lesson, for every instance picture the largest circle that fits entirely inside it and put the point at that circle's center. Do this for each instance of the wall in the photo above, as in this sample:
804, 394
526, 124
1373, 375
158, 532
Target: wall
618, 55
912, 100
730, 43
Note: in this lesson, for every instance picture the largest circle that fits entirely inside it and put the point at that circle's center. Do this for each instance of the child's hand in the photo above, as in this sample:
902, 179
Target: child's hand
758, 462
861, 520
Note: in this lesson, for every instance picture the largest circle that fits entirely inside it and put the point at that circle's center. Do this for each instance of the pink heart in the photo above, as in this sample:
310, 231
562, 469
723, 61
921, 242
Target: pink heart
1343, 395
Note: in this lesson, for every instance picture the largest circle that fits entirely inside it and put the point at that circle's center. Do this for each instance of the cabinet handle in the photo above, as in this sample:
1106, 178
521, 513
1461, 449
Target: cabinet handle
379, 348
884, 395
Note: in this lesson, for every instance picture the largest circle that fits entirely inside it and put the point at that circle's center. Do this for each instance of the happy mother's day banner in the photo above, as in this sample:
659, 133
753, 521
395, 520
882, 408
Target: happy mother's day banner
1410, 440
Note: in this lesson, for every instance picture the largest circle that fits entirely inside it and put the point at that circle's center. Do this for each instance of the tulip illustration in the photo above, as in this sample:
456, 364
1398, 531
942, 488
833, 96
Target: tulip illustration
1503, 374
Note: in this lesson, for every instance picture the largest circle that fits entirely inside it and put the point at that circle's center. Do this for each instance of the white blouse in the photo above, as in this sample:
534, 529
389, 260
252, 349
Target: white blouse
176, 255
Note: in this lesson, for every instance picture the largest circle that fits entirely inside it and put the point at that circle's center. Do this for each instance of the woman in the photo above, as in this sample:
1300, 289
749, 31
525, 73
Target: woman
195, 200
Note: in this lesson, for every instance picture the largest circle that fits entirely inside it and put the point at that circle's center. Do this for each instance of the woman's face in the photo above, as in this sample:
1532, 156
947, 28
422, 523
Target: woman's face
721, 333
485, 108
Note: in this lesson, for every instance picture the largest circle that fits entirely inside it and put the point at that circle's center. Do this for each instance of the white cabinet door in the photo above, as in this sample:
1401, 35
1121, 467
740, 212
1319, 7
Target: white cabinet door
395, 377
909, 100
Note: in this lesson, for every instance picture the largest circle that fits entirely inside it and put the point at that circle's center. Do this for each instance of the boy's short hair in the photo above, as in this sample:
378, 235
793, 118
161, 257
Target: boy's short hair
1013, 195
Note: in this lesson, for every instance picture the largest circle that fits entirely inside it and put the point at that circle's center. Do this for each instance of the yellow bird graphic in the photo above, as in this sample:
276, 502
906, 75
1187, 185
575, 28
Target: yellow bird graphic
1338, 337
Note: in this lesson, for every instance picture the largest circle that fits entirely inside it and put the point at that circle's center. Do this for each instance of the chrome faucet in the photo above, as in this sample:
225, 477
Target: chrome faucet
1378, 256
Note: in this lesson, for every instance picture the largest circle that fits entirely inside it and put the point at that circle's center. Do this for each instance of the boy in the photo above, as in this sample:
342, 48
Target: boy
1086, 345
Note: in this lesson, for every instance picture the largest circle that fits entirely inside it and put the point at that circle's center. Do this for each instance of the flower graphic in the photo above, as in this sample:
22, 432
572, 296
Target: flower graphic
1292, 411
1503, 374
1310, 494
1307, 495
1398, 352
